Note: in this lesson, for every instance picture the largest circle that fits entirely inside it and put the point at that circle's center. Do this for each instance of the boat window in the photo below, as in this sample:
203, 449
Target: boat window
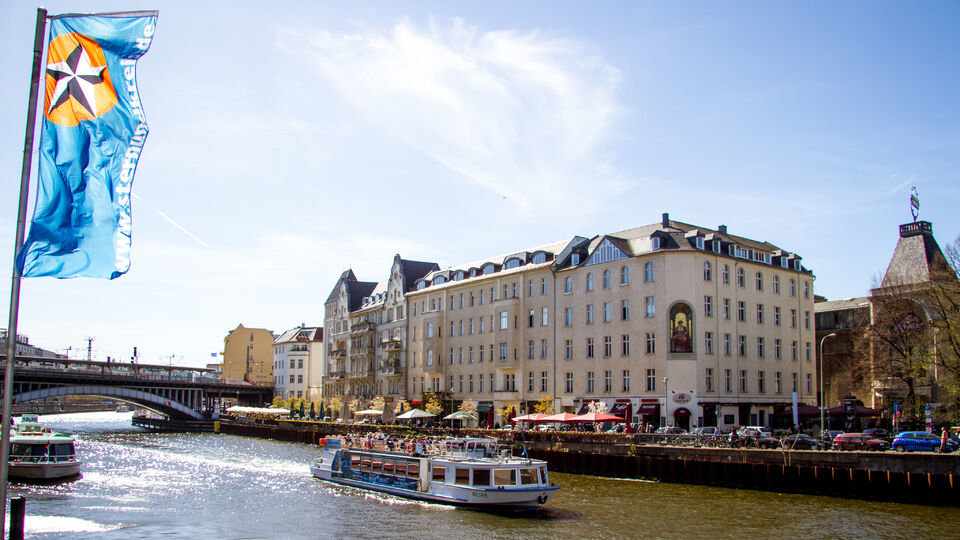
377, 466
505, 477
528, 476
439, 474
365, 465
463, 476
481, 477
544, 479
388, 467
413, 470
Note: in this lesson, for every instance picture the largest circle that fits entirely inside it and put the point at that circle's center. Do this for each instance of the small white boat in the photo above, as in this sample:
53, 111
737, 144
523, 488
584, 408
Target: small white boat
39, 453
468, 472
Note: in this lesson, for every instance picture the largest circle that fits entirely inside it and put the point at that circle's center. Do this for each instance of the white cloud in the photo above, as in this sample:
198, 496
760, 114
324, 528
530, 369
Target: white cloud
522, 114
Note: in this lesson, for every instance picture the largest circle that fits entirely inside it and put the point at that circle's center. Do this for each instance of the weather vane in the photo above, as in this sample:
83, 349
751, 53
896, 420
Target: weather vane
914, 203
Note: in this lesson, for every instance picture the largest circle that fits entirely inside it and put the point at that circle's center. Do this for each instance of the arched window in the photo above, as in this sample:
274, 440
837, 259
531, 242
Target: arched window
488, 268
439, 280
681, 329
606, 279
707, 271
589, 281
421, 284
512, 263
539, 257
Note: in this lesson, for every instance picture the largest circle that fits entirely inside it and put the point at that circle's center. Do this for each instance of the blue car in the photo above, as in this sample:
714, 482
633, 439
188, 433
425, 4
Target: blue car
920, 441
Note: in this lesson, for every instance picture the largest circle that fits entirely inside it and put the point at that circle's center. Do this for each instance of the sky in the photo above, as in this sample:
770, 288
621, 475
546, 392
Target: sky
290, 141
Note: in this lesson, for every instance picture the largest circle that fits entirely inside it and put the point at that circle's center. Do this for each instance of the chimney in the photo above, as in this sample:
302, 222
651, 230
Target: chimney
666, 219
722, 229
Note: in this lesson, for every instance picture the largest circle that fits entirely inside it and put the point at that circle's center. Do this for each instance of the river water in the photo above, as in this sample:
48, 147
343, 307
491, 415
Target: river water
206, 486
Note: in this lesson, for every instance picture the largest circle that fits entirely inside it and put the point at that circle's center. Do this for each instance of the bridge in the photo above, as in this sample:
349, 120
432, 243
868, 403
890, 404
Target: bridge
179, 393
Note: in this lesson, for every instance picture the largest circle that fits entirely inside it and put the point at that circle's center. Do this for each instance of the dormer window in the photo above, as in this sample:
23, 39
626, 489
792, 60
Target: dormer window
539, 258
421, 284
784, 263
458, 276
699, 242
473, 272
796, 265
439, 280
488, 268
512, 263
575, 259
655, 243
732, 250
716, 246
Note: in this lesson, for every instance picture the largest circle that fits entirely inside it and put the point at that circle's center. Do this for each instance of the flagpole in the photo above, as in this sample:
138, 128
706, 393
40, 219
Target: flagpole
15, 280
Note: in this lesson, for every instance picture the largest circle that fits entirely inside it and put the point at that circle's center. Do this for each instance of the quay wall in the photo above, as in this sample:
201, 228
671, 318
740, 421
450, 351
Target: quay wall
922, 478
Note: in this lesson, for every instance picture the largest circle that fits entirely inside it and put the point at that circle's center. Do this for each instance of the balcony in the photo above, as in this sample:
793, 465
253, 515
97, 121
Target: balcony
336, 374
361, 327
391, 344
391, 367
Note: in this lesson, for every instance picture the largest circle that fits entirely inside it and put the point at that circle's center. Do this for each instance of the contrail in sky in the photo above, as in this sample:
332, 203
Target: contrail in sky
180, 227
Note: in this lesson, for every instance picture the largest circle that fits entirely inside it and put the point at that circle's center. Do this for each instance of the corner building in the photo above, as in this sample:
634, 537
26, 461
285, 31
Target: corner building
690, 326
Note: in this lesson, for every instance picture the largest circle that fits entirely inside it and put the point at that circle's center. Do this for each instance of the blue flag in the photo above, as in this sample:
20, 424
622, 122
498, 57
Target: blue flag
93, 132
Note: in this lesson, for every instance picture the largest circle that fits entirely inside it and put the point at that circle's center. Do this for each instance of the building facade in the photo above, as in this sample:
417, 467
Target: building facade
298, 363
248, 356
344, 379
690, 326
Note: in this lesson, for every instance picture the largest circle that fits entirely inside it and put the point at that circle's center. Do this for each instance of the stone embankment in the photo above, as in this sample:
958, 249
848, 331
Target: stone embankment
923, 478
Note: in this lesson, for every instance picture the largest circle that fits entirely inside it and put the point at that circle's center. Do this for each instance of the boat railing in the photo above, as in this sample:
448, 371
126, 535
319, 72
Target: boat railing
29, 458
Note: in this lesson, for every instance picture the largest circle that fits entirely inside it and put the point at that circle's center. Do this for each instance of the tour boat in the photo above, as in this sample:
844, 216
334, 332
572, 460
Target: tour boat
39, 453
468, 472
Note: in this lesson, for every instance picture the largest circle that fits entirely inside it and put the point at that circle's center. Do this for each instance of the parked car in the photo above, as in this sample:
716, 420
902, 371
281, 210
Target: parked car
858, 441
920, 441
877, 433
759, 436
827, 437
800, 441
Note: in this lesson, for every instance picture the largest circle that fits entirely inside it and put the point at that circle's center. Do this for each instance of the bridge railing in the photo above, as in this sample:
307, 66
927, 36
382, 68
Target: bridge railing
118, 369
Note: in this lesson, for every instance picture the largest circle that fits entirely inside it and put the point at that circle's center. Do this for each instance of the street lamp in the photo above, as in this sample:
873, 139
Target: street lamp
823, 411
666, 398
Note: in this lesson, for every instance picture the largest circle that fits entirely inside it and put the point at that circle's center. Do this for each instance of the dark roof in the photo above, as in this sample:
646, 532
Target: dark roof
916, 258
414, 270
348, 276
357, 290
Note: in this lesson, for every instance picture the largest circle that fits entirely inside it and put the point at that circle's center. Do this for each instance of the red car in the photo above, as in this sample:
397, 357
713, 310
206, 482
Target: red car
859, 441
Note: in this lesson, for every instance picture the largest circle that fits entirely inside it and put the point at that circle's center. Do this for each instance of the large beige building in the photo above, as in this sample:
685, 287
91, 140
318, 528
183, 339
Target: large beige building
691, 326
248, 356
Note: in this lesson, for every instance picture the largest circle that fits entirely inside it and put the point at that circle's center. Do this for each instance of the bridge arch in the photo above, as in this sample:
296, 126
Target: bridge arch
151, 401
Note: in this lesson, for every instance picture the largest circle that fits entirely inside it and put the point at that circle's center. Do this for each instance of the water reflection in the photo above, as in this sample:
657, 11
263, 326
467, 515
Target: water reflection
144, 485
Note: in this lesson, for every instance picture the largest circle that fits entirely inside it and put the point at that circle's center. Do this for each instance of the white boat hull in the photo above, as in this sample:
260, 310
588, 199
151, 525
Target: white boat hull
43, 471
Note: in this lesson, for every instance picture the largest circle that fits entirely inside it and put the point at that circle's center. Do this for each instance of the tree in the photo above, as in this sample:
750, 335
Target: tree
334, 406
377, 403
278, 402
432, 403
468, 405
544, 406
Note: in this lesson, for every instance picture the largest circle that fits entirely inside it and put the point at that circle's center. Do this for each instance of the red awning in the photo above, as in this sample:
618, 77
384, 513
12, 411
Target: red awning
597, 417
536, 417
564, 417
682, 411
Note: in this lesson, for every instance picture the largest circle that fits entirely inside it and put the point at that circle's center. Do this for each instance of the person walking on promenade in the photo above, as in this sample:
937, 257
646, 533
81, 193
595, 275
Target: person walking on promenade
944, 437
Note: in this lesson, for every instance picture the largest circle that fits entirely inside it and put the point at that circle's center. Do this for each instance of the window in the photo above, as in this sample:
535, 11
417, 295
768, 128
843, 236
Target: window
651, 343
809, 383
741, 311
589, 313
707, 271
777, 352
699, 242
741, 280
481, 477
568, 285
575, 259
529, 288
543, 348
759, 313
503, 352
530, 348
568, 382
608, 312
625, 310
429, 329
589, 347
504, 477
793, 351
606, 279
793, 318
655, 243
625, 376
708, 342
795, 386
776, 315
530, 382
568, 349
650, 307
545, 317
651, 380
539, 258
708, 380
806, 289
725, 274
759, 281
607, 346
625, 345
761, 382
708, 306
504, 320
531, 316
742, 345
776, 284
440, 474
512, 263
481, 323
590, 385
778, 380
726, 344
743, 380
726, 308
806, 320
589, 281
543, 381
624, 275
793, 287
543, 286
429, 358
760, 348
568, 317
807, 355
728, 380
648, 276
